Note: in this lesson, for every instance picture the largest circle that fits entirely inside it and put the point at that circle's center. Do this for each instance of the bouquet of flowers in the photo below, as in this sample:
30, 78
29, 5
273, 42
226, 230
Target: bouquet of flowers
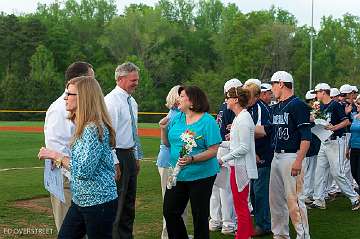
320, 117
189, 140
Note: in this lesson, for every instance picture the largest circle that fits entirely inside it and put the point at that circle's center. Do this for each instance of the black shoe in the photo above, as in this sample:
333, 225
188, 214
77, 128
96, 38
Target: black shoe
313, 205
356, 205
259, 232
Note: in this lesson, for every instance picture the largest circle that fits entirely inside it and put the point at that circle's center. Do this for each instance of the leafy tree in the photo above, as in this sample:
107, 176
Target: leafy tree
44, 81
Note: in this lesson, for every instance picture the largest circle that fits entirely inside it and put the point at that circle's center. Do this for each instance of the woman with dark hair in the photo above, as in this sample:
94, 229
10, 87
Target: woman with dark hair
199, 165
242, 158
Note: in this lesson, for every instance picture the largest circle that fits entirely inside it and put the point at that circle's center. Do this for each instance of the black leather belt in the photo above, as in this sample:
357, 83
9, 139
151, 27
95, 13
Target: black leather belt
126, 150
285, 151
335, 137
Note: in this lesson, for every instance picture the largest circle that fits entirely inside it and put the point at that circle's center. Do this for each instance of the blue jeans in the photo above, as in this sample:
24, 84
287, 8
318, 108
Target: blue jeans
260, 199
94, 221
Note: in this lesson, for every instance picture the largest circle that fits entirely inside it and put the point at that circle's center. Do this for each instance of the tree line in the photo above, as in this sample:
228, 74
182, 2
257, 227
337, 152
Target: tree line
200, 42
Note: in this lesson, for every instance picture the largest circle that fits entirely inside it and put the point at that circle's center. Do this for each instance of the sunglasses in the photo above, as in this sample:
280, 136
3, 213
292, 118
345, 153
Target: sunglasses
68, 94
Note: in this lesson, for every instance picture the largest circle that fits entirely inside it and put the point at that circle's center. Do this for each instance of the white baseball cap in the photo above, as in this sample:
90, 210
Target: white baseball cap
282, 76
345, 89
265, 87
309, 95
334, 92
253, 81
232, 83
322, 86
355, 89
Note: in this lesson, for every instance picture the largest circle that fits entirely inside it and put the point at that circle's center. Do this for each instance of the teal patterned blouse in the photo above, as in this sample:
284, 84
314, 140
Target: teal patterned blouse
92, 168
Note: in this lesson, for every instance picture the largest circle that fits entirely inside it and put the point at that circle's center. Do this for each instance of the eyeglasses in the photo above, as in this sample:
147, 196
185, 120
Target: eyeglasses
68, 94
229, 97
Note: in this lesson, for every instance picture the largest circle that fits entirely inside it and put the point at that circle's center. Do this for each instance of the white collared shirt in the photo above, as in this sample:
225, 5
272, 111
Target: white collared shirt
118, 108
58, 130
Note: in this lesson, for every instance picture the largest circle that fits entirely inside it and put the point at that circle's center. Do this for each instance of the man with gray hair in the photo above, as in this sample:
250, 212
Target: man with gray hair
123, 111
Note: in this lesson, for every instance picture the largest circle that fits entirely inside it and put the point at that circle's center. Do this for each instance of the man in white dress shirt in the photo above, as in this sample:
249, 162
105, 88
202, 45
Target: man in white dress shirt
58, 130
123, 111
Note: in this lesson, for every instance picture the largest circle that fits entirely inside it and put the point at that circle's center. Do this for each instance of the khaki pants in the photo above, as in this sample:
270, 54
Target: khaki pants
286, 198
59, 208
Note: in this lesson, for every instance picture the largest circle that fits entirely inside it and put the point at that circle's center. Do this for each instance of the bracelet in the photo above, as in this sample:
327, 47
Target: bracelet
58, 162
192, 159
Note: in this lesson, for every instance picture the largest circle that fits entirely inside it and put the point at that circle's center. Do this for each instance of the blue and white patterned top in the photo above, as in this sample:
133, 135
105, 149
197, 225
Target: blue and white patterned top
92, 168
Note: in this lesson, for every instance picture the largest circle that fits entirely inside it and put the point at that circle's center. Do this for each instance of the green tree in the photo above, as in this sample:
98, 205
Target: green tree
44, 81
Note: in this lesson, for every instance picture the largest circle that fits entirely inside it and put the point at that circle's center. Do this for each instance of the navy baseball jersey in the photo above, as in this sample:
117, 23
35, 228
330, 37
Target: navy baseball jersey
335, 114
291, 122
261, 115
224, 118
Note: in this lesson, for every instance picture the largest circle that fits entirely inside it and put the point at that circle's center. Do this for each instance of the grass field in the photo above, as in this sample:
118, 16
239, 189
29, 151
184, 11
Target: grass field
19, 150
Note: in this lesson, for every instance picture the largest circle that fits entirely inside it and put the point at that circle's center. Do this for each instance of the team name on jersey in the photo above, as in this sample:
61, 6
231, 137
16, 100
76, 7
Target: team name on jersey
281, 119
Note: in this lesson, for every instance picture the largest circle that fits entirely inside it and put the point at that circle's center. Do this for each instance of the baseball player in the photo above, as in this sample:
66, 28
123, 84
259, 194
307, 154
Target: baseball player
311, 157
222, 215
332, 150
259, 188
292, 135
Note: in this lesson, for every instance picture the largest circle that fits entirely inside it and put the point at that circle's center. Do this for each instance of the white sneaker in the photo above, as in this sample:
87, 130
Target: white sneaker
228, 230
214, 228
308, 200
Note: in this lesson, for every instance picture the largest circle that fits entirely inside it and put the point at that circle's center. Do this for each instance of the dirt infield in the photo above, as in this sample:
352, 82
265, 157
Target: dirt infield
142, 132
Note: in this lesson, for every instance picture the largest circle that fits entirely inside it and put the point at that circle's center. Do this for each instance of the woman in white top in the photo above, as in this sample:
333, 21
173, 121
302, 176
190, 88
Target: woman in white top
242, 158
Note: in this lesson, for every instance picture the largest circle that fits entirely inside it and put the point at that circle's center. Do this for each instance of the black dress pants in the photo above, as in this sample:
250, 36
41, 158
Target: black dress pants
175, 201
355, 164
126, 188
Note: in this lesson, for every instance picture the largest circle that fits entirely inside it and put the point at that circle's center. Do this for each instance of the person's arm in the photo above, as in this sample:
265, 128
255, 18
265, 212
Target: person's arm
203, 156
297, 165
338, 126
260, 131
301, 114
57, 130
163, 124
58, 158
91, 153
244, 144
340, 112
116, 165
114, 121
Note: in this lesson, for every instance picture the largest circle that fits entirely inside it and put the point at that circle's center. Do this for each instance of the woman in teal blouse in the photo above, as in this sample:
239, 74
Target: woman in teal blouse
198, 168
94, 195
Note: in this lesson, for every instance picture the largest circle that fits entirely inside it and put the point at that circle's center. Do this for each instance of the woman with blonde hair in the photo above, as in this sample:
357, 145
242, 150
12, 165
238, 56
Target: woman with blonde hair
163, 160
241, 158
94, 195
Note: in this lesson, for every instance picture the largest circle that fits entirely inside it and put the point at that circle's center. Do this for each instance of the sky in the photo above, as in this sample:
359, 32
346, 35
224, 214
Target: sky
300, 8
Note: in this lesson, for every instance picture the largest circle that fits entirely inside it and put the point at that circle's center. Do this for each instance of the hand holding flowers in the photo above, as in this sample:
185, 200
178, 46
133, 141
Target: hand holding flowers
189, 140
316, 112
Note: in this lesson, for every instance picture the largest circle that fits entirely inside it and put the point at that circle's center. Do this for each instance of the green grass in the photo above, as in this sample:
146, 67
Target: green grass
20, 150
21, 123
